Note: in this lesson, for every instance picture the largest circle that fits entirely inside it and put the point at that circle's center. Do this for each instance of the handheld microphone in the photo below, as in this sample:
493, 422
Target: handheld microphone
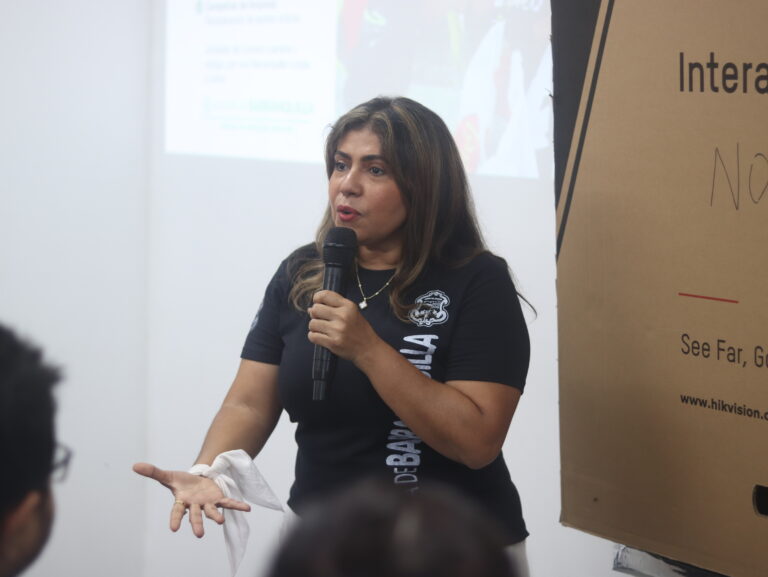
339, 251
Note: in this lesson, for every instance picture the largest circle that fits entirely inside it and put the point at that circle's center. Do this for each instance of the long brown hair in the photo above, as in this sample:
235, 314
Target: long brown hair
440, 226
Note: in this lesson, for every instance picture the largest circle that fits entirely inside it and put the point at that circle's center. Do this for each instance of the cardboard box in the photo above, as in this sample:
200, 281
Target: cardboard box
663, 285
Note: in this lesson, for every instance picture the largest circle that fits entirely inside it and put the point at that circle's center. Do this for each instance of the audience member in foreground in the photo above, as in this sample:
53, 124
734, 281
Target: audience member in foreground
377, 530
28, 442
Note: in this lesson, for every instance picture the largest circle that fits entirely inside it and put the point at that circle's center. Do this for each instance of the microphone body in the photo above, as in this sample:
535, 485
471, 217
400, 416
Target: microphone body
339, 251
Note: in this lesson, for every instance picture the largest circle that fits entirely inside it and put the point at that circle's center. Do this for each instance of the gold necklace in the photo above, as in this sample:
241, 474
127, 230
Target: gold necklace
364, 303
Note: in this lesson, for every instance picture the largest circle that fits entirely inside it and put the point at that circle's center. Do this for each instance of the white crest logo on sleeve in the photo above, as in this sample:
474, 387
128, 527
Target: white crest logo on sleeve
430, 309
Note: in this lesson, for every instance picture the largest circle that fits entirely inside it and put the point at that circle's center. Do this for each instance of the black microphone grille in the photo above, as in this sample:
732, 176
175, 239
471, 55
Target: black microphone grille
340, 247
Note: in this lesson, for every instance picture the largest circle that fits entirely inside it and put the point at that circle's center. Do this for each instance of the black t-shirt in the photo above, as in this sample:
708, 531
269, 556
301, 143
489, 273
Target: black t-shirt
468, 325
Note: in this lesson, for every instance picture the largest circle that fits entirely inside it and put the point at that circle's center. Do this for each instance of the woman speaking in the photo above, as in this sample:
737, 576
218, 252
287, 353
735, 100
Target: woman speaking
431, 341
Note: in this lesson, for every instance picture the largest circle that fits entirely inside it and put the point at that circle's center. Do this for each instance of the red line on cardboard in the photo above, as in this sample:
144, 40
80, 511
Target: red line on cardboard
708, 298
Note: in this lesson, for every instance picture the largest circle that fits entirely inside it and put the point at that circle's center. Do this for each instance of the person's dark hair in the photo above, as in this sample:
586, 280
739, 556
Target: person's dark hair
440, 225
378, 530
27, 408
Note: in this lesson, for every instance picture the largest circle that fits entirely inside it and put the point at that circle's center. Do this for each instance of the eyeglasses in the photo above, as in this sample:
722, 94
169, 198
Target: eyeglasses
61, 459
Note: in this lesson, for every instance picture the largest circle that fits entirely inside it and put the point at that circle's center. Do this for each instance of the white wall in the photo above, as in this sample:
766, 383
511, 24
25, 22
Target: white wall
73, 187
140, 272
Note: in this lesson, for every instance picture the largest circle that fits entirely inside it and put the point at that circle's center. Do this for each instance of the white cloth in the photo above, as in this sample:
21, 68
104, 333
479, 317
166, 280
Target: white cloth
238, 478
518, 558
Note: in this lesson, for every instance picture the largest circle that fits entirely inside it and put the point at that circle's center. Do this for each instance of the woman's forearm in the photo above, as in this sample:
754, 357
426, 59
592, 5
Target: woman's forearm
248, 414
466, 421
235, 427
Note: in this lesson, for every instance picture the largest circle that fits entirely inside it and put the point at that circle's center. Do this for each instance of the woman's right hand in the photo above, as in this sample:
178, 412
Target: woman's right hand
194, 492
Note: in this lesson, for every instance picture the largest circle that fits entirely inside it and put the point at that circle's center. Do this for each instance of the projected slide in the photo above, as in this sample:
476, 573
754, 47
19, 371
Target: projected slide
249, 78
263, 79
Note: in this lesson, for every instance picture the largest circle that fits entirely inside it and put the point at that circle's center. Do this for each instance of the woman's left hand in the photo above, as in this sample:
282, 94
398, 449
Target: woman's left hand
337, 324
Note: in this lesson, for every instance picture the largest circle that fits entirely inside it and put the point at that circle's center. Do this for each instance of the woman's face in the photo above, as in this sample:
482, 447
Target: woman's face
363, 193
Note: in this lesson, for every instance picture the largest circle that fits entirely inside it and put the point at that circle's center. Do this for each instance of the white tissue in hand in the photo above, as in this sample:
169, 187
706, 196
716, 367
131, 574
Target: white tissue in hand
238, 478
